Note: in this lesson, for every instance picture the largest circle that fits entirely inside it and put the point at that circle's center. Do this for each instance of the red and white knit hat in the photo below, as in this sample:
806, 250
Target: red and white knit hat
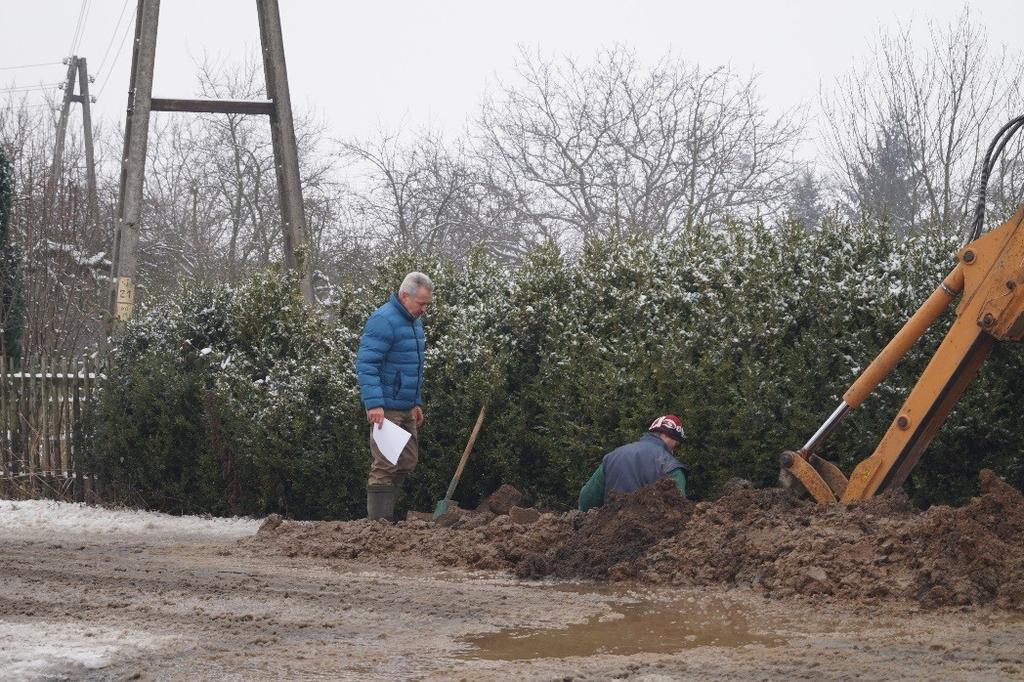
668, 424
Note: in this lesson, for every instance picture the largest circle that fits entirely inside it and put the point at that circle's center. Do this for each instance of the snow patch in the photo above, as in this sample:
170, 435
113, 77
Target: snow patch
72, 251
28, 650
43, 518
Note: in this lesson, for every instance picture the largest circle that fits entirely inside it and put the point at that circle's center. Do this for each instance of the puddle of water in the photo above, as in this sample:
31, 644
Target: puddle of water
643, 627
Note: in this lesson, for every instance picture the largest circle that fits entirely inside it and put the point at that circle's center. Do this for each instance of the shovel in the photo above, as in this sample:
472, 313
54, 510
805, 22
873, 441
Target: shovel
442, 506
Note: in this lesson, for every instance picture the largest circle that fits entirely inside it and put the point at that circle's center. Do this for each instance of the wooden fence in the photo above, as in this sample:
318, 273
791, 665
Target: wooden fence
43, 451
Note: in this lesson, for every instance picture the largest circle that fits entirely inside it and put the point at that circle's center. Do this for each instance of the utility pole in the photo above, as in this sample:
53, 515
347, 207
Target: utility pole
62, 131
141, 103
77, 70
90, 158
133, 162
282, 131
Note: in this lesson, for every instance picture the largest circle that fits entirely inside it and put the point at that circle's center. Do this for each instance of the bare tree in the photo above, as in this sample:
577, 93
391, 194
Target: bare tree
62, 250
924, 114
614, 147
241, 169
428, 197
212, 211
182, 221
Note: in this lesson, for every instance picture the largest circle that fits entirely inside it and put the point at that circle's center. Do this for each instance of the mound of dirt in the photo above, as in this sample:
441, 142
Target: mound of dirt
766, 539
472, 539
972, 554
877, 549
612, 538
502, 500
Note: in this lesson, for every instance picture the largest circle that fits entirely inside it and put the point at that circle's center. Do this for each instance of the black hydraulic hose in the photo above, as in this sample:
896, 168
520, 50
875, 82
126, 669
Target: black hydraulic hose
994, 149
991, 156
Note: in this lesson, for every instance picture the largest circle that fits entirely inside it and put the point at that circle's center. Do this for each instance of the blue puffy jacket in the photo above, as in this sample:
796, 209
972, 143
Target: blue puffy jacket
390, 359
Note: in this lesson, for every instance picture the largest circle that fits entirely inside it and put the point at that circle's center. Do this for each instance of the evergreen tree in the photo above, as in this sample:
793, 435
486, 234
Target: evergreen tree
886, 185
12, 304
806, 204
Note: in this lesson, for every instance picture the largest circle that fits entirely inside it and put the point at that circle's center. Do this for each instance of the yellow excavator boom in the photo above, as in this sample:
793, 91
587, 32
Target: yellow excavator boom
989, 277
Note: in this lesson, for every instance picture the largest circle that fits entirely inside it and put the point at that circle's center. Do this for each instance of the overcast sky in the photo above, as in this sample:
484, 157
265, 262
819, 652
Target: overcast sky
371, 65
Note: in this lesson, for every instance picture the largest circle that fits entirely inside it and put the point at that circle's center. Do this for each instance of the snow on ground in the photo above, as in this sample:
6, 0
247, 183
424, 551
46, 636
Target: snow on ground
49, 650
41, 519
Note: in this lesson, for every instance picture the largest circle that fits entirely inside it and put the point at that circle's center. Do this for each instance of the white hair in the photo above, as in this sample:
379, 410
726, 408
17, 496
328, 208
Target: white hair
415, 281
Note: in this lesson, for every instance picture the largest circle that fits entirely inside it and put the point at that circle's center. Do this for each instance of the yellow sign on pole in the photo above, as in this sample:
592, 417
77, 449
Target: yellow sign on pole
125, 298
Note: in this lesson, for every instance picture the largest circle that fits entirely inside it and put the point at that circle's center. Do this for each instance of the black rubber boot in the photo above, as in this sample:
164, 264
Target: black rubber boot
380, 502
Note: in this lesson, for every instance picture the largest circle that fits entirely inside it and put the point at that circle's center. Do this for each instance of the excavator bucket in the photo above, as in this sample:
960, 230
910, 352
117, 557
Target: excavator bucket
807, 473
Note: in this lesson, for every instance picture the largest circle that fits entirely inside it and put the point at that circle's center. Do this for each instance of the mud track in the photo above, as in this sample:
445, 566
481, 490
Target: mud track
224, 612
81, 606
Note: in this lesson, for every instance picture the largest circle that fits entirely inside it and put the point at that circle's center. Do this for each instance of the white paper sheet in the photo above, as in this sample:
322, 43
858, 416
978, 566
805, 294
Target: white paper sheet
390, 438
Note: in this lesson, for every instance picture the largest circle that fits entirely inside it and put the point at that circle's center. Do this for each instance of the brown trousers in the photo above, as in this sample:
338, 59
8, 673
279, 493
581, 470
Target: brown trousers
383, 472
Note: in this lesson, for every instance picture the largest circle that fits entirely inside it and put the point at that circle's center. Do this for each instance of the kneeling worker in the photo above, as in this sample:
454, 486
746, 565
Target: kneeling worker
635, 465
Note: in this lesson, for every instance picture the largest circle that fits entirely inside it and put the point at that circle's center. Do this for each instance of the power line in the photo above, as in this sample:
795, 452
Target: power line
27, 66
117, 55
85, 21
28, 88
78, 27
113, 35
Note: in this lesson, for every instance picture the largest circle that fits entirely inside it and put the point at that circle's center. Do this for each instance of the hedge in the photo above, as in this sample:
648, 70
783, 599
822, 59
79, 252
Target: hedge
244, 401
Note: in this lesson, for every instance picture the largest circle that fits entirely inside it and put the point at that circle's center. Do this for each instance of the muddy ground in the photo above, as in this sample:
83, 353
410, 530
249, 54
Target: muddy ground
764, 540
359, 600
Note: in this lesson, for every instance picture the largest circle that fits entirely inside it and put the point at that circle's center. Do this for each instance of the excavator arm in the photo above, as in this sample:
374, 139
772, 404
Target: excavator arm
989, 279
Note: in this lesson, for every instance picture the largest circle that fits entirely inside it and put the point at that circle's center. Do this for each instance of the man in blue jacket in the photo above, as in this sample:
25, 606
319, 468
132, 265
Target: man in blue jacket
635, 465
390, 369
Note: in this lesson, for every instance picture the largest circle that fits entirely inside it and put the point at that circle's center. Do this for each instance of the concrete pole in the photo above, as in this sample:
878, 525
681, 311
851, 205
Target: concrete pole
133, 164
90, 158
62, 130
118, 211
286, 158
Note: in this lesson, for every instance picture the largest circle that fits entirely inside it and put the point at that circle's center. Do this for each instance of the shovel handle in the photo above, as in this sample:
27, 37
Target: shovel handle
465, 453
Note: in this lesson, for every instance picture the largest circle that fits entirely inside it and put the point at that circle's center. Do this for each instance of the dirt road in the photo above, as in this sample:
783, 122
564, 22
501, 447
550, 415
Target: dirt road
89, 606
